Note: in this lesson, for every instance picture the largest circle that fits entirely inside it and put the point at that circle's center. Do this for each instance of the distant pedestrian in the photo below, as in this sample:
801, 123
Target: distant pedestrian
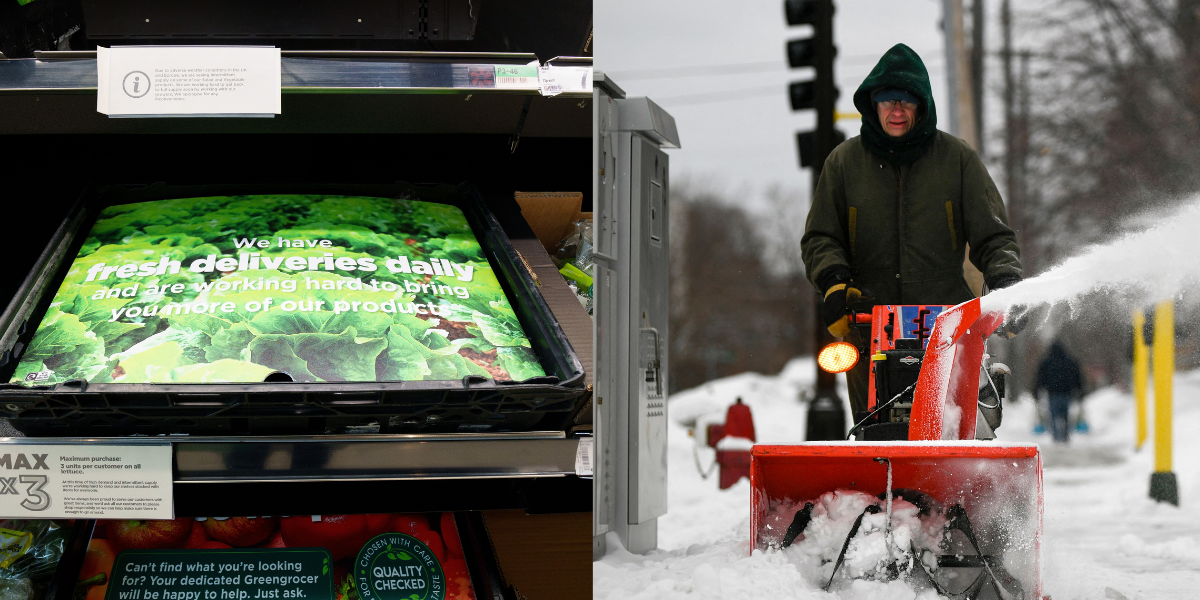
1059, 376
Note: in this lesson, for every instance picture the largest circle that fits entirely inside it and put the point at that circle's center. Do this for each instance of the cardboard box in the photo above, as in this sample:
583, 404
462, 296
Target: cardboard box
543, 557
550, 214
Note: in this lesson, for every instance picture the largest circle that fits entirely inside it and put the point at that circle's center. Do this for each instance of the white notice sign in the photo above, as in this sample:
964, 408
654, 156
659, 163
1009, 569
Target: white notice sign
188, 81
51, 481
583, 457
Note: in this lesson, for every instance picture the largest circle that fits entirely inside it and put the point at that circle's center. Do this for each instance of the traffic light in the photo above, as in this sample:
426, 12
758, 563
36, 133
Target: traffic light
802, 53
803, 94
819, 93
800, 12
826, 418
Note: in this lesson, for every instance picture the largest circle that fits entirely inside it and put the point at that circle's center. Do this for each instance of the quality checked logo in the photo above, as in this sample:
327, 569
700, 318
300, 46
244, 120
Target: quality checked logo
136, 84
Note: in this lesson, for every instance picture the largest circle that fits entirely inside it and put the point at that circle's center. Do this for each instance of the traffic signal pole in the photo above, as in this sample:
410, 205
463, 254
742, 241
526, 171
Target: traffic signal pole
826, 415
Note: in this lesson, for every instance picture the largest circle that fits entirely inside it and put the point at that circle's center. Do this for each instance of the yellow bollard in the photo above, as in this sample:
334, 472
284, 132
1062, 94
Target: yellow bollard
1141, 377
1163, 485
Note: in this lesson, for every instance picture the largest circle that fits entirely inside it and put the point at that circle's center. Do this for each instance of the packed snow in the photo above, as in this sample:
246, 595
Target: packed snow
884, 539
1103, 537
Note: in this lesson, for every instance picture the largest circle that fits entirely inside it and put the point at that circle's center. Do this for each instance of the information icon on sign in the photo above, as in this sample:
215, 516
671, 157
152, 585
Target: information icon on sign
136, 84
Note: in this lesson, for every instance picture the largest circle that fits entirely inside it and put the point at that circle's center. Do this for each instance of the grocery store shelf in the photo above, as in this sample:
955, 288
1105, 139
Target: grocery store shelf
387, 457
341, 72
532, 471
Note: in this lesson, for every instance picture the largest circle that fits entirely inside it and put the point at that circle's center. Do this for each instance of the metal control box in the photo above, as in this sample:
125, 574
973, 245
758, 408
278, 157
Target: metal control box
632, 272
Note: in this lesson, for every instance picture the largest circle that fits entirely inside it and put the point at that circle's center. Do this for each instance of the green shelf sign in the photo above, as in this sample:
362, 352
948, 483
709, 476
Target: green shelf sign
225, 574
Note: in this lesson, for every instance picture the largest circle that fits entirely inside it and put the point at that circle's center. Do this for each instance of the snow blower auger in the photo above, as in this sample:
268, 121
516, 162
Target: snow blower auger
915, 496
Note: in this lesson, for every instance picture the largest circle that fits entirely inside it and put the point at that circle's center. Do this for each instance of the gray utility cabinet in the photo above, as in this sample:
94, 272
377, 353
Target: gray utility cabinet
631, 293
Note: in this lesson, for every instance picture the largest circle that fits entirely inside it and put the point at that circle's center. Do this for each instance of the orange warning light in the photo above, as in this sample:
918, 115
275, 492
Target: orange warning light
838, 357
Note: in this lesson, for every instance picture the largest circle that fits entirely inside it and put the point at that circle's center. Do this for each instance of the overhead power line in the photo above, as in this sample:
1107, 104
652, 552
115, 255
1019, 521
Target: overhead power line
732, 68
734, 94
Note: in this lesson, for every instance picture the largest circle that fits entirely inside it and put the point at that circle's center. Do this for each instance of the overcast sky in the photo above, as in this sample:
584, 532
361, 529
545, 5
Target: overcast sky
720, 69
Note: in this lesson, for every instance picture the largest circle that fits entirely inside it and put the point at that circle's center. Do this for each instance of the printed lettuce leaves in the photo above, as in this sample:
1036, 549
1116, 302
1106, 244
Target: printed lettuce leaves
314, 325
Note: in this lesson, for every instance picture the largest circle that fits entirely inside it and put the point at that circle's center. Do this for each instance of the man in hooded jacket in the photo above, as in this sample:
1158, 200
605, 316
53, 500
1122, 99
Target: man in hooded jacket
896, 206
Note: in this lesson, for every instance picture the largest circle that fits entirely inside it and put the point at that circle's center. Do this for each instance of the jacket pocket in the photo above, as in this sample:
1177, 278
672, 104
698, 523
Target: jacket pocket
853, 226
949, 221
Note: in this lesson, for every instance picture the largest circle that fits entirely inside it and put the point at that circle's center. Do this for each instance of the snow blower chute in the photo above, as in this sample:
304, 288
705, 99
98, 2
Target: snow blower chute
915, 496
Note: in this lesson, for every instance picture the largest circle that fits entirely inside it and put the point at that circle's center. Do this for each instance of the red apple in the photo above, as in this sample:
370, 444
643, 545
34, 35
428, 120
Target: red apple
213, 545
454, 547
410, 523
342, 535
458, 580
149, 535
197, 536
434, 541
240, 531
275, 540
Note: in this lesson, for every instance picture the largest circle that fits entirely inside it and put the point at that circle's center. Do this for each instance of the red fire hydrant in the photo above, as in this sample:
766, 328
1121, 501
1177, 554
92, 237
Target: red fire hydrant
734, 454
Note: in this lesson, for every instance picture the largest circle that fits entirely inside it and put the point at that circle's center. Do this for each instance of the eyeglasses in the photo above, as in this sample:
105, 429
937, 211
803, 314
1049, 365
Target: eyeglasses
891, 104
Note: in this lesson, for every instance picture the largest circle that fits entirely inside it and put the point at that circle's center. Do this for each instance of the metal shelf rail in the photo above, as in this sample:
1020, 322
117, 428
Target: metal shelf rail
53, 93
315, 71
344, 92
366, 473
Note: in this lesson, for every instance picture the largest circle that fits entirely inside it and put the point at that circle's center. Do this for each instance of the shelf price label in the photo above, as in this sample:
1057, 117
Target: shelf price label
553, 81
61, 481
188, 81
517, 77
584, 462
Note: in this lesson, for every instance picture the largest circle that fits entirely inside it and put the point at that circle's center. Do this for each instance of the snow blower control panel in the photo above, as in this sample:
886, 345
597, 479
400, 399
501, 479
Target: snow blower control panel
899, 336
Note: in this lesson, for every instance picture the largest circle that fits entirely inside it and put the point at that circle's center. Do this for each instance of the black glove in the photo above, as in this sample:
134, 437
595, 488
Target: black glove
1017, 316
1015, 321
1003, 280
839, 299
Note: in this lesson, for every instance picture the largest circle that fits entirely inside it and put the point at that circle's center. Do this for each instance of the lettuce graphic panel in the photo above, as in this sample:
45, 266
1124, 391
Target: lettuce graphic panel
323, 288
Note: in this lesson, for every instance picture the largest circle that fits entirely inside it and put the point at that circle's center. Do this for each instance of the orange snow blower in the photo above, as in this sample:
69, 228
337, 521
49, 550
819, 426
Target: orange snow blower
914, 447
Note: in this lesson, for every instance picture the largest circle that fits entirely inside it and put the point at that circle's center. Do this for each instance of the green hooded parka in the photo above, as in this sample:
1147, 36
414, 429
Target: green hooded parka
895, 214
899, 212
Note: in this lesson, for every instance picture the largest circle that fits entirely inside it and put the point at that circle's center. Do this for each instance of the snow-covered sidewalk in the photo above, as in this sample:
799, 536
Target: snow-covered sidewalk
1103, 537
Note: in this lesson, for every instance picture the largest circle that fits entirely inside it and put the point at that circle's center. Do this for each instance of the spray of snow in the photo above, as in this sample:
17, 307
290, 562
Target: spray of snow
1150, 265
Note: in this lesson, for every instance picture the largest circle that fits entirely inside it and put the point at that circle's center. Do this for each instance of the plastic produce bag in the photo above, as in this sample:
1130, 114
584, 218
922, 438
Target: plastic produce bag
575, 255
29, 554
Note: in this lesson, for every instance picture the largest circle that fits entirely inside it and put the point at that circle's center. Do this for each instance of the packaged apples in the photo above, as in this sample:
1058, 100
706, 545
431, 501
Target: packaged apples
148, 535
343, 535
197, 536
434, 541
410, 523
240, 532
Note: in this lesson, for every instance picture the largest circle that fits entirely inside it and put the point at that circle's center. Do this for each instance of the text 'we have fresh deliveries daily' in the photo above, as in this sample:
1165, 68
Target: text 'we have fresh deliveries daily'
253, 261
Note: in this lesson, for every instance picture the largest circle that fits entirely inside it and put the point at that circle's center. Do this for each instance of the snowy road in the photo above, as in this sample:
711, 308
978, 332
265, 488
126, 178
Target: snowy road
1103, 537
